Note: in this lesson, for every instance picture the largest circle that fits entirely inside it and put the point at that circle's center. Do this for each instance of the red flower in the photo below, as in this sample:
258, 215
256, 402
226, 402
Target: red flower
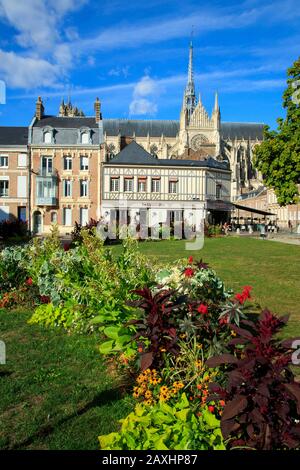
66, 247
190, 260
29, 281
222, 403
189, 272
202, 309
223, 321
45, 299
211, 408
140, 349
241, 298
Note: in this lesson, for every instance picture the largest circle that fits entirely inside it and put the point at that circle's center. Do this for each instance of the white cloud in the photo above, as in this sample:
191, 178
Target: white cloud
27, 72
37, 24
146, 87
119, 71
142, 106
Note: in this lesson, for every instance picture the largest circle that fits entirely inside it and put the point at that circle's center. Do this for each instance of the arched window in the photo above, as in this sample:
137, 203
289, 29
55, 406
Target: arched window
47, 137
85, 138
111, 151
153, 150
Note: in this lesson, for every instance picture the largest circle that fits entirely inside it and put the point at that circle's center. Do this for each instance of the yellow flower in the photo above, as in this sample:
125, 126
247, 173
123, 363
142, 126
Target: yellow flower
162, 349
180, 385
148, 394
164, 389
233, 333
199, 346
148, 402
198, 363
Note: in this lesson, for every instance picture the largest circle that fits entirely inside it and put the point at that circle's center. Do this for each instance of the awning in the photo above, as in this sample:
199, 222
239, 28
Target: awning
251, 209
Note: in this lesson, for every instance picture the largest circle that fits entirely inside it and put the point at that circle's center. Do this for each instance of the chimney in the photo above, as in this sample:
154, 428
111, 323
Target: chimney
97, 108
39, 109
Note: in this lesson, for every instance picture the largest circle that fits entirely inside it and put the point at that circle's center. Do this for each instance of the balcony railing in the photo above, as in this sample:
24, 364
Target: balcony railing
46, 201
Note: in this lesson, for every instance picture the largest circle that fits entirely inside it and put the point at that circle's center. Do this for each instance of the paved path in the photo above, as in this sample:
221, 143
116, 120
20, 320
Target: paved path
289, 241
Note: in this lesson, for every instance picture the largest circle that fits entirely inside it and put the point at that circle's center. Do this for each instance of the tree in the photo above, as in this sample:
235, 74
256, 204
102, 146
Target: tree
278, 156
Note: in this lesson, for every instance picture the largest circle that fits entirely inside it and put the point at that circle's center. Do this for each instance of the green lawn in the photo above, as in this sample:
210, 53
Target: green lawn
273, 269
55, 391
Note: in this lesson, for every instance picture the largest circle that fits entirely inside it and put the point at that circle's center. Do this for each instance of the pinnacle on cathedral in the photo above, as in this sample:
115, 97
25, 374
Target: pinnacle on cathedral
189, 99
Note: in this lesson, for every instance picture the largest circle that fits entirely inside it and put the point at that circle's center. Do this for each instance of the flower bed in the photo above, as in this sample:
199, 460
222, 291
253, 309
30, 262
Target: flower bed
209, 372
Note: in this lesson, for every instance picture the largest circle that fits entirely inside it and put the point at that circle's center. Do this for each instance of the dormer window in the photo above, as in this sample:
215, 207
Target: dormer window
47, 137
85, 136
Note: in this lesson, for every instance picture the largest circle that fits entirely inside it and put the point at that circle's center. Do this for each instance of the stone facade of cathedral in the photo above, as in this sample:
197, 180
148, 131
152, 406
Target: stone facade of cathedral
195, 136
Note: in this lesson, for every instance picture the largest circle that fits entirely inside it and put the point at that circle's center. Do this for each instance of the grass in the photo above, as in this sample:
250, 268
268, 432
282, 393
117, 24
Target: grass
56, 392
273, 269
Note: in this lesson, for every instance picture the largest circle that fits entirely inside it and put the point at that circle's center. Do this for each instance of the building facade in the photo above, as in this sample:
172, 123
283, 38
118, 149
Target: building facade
71, 161
14, 186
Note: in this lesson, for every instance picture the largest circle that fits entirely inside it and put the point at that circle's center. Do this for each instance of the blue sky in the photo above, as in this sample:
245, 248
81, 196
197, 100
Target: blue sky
134, 54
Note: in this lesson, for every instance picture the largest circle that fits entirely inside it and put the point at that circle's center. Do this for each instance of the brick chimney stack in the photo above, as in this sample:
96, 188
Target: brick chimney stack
39, 109
97, 108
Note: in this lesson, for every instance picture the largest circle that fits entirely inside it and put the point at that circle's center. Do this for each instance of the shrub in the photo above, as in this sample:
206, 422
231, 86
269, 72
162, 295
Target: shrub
262, 398
164, 427
12, 272
13, 228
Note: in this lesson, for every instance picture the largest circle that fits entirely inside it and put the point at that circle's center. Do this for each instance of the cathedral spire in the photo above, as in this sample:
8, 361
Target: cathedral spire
189, 99
190, 69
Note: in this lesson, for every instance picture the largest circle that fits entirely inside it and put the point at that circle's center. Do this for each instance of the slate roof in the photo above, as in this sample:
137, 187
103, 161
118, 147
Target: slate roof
240, 130
59, 122
141, 128
13, 135
155, 128
134, 154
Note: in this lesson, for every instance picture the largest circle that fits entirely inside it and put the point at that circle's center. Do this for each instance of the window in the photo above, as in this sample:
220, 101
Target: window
22, 214
128, 185
83, 188
84, 216
218, 191
4, 213
114, 184
67, 216
85, 138
3, 161
47, 137
4, 186
22, 186
67, 188
47, 166
84, 163
68, 163
53, 217
173, 185
142, 185
22, 159
155, 185
45, 189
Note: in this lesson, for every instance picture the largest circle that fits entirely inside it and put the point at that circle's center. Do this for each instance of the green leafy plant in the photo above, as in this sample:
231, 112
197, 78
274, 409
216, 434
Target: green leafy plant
165, 427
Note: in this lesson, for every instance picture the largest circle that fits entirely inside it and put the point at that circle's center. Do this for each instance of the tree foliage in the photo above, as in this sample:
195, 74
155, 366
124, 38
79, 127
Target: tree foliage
278, 156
